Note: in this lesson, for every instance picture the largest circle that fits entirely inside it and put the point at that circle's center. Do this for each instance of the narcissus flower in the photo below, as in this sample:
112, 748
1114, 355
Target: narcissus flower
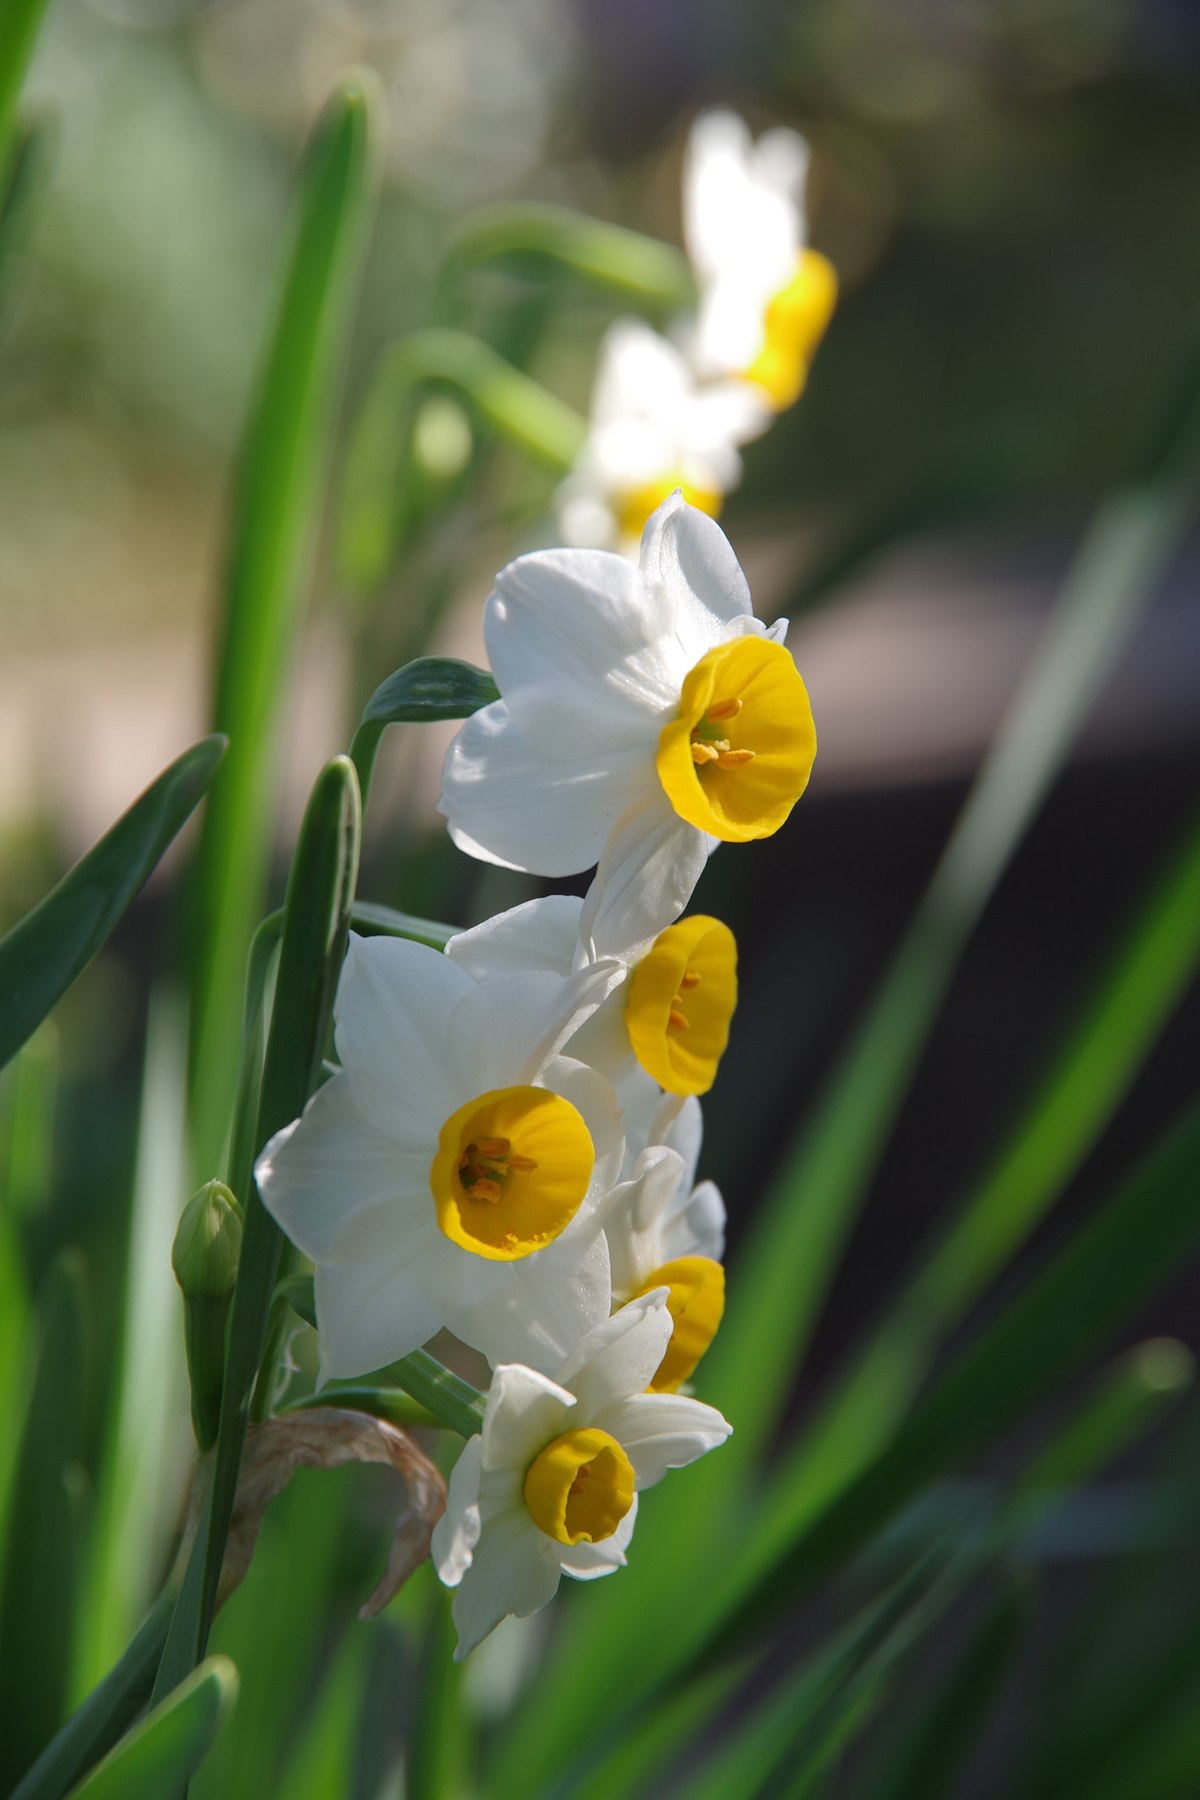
449, 1173
654, 428
550, 1487
646, 714
672, 1013
664, 1230
765, 298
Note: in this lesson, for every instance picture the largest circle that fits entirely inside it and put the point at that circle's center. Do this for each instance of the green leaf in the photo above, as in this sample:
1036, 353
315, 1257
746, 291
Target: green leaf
390, 1403
1071, 1101
171, 1742
1133, 1242
932, 1754
378, 462
39, 1578
276, 512
315, 930
20, 21
421, 693
641, 270
42, 955
109, 1710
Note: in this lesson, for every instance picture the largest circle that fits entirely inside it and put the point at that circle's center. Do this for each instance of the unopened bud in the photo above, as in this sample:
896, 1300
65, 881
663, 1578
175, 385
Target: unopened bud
205, 1260
208, 1243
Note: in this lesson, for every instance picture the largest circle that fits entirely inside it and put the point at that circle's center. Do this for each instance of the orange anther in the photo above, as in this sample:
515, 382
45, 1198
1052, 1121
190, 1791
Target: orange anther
676, 1020
734, 759
704, 753
724, 709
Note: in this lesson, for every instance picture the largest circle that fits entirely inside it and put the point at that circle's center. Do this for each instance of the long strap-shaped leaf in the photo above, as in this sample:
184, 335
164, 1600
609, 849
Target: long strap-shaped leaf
42, 955
19, 22
171, 1742
275, 514
315, 929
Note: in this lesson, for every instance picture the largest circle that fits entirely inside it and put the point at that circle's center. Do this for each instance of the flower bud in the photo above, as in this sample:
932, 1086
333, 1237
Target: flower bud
204, 1257
208, 1243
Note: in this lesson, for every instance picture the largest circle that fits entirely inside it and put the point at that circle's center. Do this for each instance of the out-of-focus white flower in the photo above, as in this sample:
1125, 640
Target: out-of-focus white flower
765, 298
654, 428
550, 1486
646, 714
671, 1013
450, 1173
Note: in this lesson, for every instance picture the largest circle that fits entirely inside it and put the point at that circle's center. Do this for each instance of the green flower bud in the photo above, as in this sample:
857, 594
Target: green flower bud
205, 1260
208, 1243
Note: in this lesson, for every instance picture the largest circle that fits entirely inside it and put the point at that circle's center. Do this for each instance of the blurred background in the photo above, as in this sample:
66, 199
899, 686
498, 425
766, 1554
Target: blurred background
1008, 192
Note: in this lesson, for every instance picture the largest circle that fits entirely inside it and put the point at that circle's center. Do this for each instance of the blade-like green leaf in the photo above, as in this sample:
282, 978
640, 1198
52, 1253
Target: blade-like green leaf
1142, 1234
42, 1556
421, 693
518, 408
273, 530
42, 955
136, 1495
1101, 1052
315, 930
930, 1759
108, 1711
28, 1088
171, 1742
641, 270
19, 24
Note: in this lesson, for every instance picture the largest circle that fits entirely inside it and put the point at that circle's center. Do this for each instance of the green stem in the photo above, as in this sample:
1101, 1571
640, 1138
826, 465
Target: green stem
452, 1401
389, 1404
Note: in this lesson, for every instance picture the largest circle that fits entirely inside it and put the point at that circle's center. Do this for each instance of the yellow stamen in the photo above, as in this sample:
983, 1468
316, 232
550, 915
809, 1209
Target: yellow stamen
696, 1303
724, 709
679, 1003
531, 1188
580, 1487
734, 795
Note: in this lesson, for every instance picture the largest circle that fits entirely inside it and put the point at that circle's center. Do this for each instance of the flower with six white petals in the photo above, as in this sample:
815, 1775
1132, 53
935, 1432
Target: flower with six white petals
451, 1172
645, 715
550, 1485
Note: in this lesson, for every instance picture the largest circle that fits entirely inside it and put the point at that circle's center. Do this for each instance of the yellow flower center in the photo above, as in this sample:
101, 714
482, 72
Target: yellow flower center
737, 756
681, 998
696, 1302
579, 1488
511, 1169
632, 509
794, 325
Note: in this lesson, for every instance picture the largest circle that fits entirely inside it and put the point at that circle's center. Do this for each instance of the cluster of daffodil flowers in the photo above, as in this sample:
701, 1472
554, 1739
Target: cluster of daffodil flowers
509, 1145
672, 411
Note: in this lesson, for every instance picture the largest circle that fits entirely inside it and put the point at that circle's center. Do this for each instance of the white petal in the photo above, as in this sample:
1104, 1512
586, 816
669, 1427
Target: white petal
631, 1224
377, 1305
515, 1569
321, 1176
457, 1531
586, 1561
619, 1357
579, 646
662, 1431
684, 1131
524, 1412
542, 934
647, 874
392, 1003
688, 554
603, 1040
533, 1310
695, 1226
550, 815
505, 1030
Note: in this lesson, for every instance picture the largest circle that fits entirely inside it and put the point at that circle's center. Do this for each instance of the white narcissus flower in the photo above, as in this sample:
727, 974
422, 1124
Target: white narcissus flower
672, 1012
654, 428
765, 298
550, 1486
646, 715
450, 1173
